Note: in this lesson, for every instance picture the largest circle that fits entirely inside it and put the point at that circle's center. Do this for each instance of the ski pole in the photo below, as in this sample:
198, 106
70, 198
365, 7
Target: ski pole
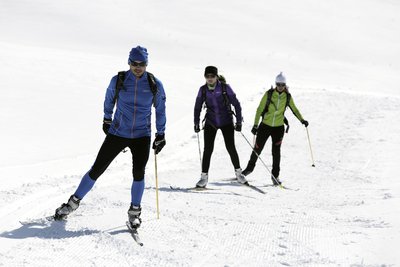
198, 142
258, 156
155, 165
309, 142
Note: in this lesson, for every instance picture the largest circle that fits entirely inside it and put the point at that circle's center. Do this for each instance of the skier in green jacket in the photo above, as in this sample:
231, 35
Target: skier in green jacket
272, 108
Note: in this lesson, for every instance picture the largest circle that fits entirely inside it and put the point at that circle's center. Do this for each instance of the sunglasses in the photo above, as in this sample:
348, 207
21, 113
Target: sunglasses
138, 64
280, 84
210, 76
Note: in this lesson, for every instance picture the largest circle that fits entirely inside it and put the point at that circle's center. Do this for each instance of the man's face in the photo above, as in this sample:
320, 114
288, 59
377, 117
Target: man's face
138, 68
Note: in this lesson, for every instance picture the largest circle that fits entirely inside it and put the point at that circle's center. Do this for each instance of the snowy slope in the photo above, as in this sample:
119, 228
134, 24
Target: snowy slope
341, 60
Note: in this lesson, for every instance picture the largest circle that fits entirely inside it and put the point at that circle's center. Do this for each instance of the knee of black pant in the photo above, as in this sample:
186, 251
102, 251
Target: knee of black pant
208, 150
138, 175
277, 144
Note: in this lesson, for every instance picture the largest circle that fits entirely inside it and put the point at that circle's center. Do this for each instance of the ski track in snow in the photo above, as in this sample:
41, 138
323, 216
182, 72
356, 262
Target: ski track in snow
324, 223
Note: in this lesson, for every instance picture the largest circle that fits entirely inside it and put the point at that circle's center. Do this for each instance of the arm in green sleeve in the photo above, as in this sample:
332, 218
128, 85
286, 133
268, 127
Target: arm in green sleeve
294, 109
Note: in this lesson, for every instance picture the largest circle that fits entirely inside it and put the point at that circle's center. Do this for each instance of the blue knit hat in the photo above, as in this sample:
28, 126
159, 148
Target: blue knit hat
138, 54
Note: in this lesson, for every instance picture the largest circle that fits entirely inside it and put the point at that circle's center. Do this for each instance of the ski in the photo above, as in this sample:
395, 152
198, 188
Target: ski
289, 188
191, 188
134, 234
282, 187
229, 179
255, 188
268, 185
38, 221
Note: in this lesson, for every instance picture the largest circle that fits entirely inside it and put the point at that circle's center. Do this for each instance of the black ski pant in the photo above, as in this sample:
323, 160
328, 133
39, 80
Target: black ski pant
113, 145
228, 133
276, 133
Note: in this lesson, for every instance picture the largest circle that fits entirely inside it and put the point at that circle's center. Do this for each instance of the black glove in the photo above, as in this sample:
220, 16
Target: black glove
159, 143
254, 129
106, 125
304, 122
196, 128
238, 127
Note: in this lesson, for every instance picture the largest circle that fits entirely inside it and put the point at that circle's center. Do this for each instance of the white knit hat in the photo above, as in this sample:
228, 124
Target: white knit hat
280, 78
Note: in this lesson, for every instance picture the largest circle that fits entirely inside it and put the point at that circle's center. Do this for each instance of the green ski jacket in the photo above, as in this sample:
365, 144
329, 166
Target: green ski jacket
275, 115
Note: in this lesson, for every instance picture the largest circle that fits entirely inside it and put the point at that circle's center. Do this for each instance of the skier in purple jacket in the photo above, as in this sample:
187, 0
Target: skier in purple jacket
218, 98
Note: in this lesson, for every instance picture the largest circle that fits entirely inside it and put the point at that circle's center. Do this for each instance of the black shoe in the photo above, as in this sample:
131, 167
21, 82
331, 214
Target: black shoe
134, 216
66, 208
276, 181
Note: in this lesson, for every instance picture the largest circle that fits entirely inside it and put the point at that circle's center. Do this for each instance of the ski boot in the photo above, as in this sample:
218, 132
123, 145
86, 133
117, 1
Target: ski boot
66, 208
239, 176
134, 216
275, 181
203, 180
249, 169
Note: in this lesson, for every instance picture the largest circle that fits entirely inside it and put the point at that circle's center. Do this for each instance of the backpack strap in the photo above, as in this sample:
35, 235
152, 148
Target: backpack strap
288, 97
285, 120
227, 103
119, 85
153, 86
225, 96
269, 97
204, 95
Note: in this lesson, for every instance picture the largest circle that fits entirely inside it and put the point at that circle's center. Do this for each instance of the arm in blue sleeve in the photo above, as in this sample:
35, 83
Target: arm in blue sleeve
108, 101
235, 102
161, 118
197, 107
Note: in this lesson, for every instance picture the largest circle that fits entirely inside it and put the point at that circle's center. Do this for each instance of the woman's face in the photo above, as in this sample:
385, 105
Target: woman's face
280, 87
211, 79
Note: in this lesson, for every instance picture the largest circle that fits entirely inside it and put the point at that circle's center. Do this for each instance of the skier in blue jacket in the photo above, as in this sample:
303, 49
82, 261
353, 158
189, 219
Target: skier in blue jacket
129, 127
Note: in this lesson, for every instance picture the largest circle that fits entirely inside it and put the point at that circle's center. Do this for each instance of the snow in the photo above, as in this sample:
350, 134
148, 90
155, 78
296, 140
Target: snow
342, 62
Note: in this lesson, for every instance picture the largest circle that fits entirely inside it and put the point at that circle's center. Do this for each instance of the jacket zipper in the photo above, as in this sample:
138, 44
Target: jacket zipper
134, 106
277, 109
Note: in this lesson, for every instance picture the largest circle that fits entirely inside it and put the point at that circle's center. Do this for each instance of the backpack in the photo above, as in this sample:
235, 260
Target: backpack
269, 97
120, 84
227, 103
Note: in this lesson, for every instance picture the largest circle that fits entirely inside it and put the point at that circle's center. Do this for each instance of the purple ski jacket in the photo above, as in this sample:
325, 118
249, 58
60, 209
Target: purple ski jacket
217, 113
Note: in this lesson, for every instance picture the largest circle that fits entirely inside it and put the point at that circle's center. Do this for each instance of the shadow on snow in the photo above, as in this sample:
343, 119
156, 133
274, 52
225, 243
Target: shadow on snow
46, 230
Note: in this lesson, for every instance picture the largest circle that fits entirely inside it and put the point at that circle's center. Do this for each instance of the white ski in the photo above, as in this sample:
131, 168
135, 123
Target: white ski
134, 233
37, 221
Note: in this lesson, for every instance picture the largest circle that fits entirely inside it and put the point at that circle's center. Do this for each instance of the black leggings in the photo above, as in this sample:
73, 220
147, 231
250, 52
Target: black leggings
276, 133
113, 145
209, 137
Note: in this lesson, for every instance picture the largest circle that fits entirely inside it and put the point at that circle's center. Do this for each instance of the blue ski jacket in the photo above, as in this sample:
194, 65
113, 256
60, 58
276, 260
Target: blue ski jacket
132, 118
